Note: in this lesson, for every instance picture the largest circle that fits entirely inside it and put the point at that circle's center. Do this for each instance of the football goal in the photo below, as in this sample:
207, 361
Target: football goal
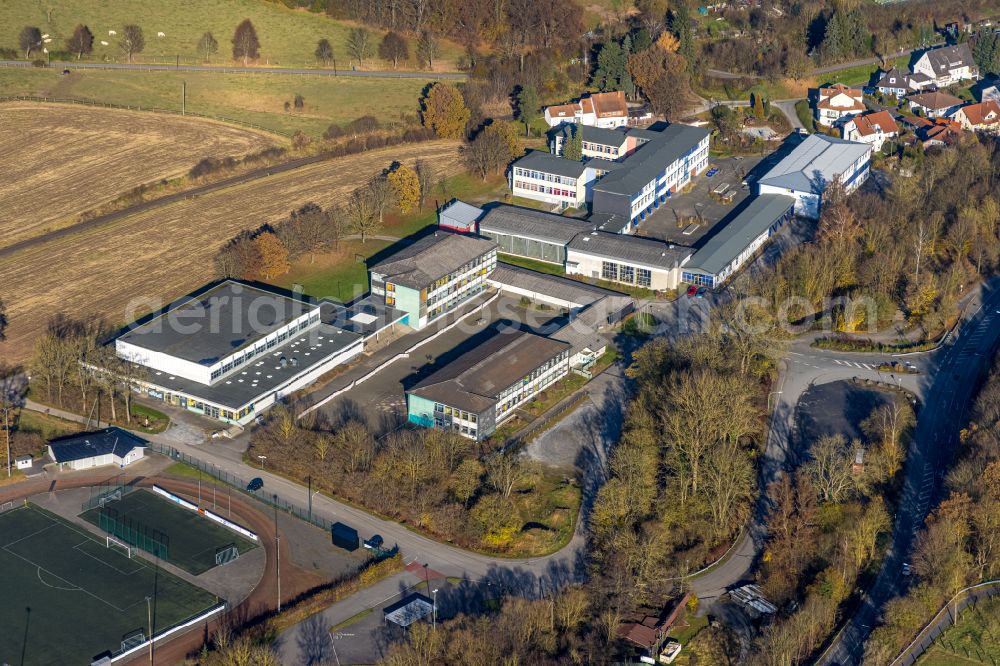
134, 639
6, 506
226, 554
119, 545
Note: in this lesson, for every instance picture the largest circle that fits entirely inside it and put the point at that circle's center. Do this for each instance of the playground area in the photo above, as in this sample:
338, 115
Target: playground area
70, 596
166, 529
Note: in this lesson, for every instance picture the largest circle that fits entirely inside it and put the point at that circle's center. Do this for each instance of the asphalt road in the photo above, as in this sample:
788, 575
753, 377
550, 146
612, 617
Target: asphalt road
60, 65
954, 372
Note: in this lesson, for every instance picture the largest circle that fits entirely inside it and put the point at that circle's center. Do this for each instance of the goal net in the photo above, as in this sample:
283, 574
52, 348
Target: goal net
136, 638
6, 506
227, 554
120, 545
115, 495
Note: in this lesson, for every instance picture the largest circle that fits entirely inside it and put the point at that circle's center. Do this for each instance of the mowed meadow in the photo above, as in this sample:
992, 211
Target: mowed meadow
130, 266
287, 36
64, 160
257, 99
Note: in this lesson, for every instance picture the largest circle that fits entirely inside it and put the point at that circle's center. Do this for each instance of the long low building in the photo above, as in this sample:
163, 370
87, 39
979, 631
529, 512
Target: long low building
738, 240
483, 387
111, 446
806, 172
532, 234
231, 351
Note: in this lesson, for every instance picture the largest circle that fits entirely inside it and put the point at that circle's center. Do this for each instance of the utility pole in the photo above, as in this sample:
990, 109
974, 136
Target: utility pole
149, 617
184, 88
310, 493
277, 550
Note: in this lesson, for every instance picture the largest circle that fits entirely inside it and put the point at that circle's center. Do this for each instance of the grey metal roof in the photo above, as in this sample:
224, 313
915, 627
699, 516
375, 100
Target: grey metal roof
244, 385
475, 379
600, 135
549, 163
651, 158
432, 257
85, 445
228, 317
818, 160
603, 164
565, 289
737, 234
608, 222
591, 328
630, 249
946, 58
538, 224
461, 212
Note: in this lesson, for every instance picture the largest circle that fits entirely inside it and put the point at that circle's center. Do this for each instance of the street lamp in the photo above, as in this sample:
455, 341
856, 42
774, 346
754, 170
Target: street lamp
434, 612
149, 616
262, 459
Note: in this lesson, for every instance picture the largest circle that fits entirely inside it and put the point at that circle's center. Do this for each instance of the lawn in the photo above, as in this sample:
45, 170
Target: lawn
256, 99
975, 639
548, 503
287, 36
859, 75
46, 425
67, 597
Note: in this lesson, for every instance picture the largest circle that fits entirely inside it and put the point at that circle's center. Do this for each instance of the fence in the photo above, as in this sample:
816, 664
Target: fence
137, 107
106, 491
134, 533
269, 498
944, 619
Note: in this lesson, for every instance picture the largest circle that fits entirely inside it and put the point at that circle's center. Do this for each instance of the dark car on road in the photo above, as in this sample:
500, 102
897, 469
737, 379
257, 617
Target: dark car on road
255, 484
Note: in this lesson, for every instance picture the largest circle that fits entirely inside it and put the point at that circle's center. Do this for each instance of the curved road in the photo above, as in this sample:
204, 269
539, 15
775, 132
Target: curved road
71, 65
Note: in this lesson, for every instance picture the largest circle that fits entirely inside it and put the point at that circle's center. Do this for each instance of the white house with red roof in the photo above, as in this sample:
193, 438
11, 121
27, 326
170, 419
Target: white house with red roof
982, 117
871, 128
607, 110
836, 103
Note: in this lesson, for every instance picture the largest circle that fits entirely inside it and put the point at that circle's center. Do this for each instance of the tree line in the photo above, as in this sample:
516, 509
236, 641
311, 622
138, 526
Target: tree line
265, 252
959, 545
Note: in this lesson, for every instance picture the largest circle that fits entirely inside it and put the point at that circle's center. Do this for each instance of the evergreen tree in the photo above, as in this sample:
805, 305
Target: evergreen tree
986, 52
611, 63
573, 144
528, 107
680, 25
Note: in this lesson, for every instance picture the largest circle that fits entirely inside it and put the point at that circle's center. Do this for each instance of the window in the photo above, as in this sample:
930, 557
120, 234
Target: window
644, 277
626, 274
609, 270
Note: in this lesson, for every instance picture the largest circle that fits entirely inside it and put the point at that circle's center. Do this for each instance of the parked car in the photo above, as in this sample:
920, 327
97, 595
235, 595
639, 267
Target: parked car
255, 484
712, 172
701, 292
375, 542
907, 570
692, 290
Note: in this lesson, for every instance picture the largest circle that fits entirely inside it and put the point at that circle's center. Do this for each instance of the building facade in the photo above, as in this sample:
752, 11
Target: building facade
628, 260
434, 276
532, 234
871, 128
947, 65
544, 177
981, 117
836, 103
607, 110
934, 104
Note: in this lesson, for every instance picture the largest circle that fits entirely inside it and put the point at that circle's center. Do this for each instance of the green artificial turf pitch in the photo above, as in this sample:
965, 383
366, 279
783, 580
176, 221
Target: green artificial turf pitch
192, 540
66, 597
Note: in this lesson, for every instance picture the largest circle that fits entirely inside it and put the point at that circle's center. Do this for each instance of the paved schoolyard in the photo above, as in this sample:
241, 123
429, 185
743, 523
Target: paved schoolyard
663, 224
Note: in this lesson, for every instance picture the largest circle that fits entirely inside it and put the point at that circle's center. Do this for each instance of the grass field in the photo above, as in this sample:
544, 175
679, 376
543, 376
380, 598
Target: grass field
287, 36
67, 598
141, 262
258, 99
46, 425
193, 539
974, 639
65, 159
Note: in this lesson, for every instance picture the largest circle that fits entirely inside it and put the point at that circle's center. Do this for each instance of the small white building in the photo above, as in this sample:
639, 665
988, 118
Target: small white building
24, 462
806, 172
901, 84
837, 102
111, 446
871, 128
947, 65
608, 110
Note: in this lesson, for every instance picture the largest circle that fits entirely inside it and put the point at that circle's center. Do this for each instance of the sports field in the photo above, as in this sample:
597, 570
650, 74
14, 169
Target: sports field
192, 540
66, 597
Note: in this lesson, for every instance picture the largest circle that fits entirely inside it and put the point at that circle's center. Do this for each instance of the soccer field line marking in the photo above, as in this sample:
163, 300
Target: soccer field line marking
107, 564
77, 589
47, 527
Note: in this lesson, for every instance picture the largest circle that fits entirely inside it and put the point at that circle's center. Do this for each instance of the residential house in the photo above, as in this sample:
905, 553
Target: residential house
947, 65
982, 117
607, 110
871, 128
934, 104
837, 102
900, 84
938, 132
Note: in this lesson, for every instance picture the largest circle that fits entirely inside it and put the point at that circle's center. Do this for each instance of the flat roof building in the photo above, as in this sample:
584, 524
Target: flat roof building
458, 216
811, 166
738, 240
530, 233
482, 388
230, 351
110, 446
631, 260
434, 275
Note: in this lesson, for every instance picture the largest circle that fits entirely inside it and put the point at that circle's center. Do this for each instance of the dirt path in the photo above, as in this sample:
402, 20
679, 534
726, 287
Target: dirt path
137, 263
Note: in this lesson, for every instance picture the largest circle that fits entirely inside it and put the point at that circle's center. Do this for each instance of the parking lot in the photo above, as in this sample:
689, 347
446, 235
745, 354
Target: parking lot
678, 213
380, 400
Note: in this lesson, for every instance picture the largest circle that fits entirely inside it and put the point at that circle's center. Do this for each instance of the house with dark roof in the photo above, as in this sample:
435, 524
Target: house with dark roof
871, 128
981, 117
111, 446
934, 104
805, 173
947, 65
607, 110
938, 132
900, 84
481, 389
433, 276
835, 103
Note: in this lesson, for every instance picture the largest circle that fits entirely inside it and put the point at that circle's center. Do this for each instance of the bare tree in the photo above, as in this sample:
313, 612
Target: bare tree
361, 212
504, 471
426, 176
131, 41
359, 45
829, 468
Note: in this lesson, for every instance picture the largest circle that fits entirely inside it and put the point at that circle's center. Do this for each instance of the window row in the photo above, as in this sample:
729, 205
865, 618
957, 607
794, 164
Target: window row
539, 175
532, 187
642, 277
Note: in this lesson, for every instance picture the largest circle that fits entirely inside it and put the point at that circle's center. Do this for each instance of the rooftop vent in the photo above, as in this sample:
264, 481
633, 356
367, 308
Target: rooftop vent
295, 361
283, 362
